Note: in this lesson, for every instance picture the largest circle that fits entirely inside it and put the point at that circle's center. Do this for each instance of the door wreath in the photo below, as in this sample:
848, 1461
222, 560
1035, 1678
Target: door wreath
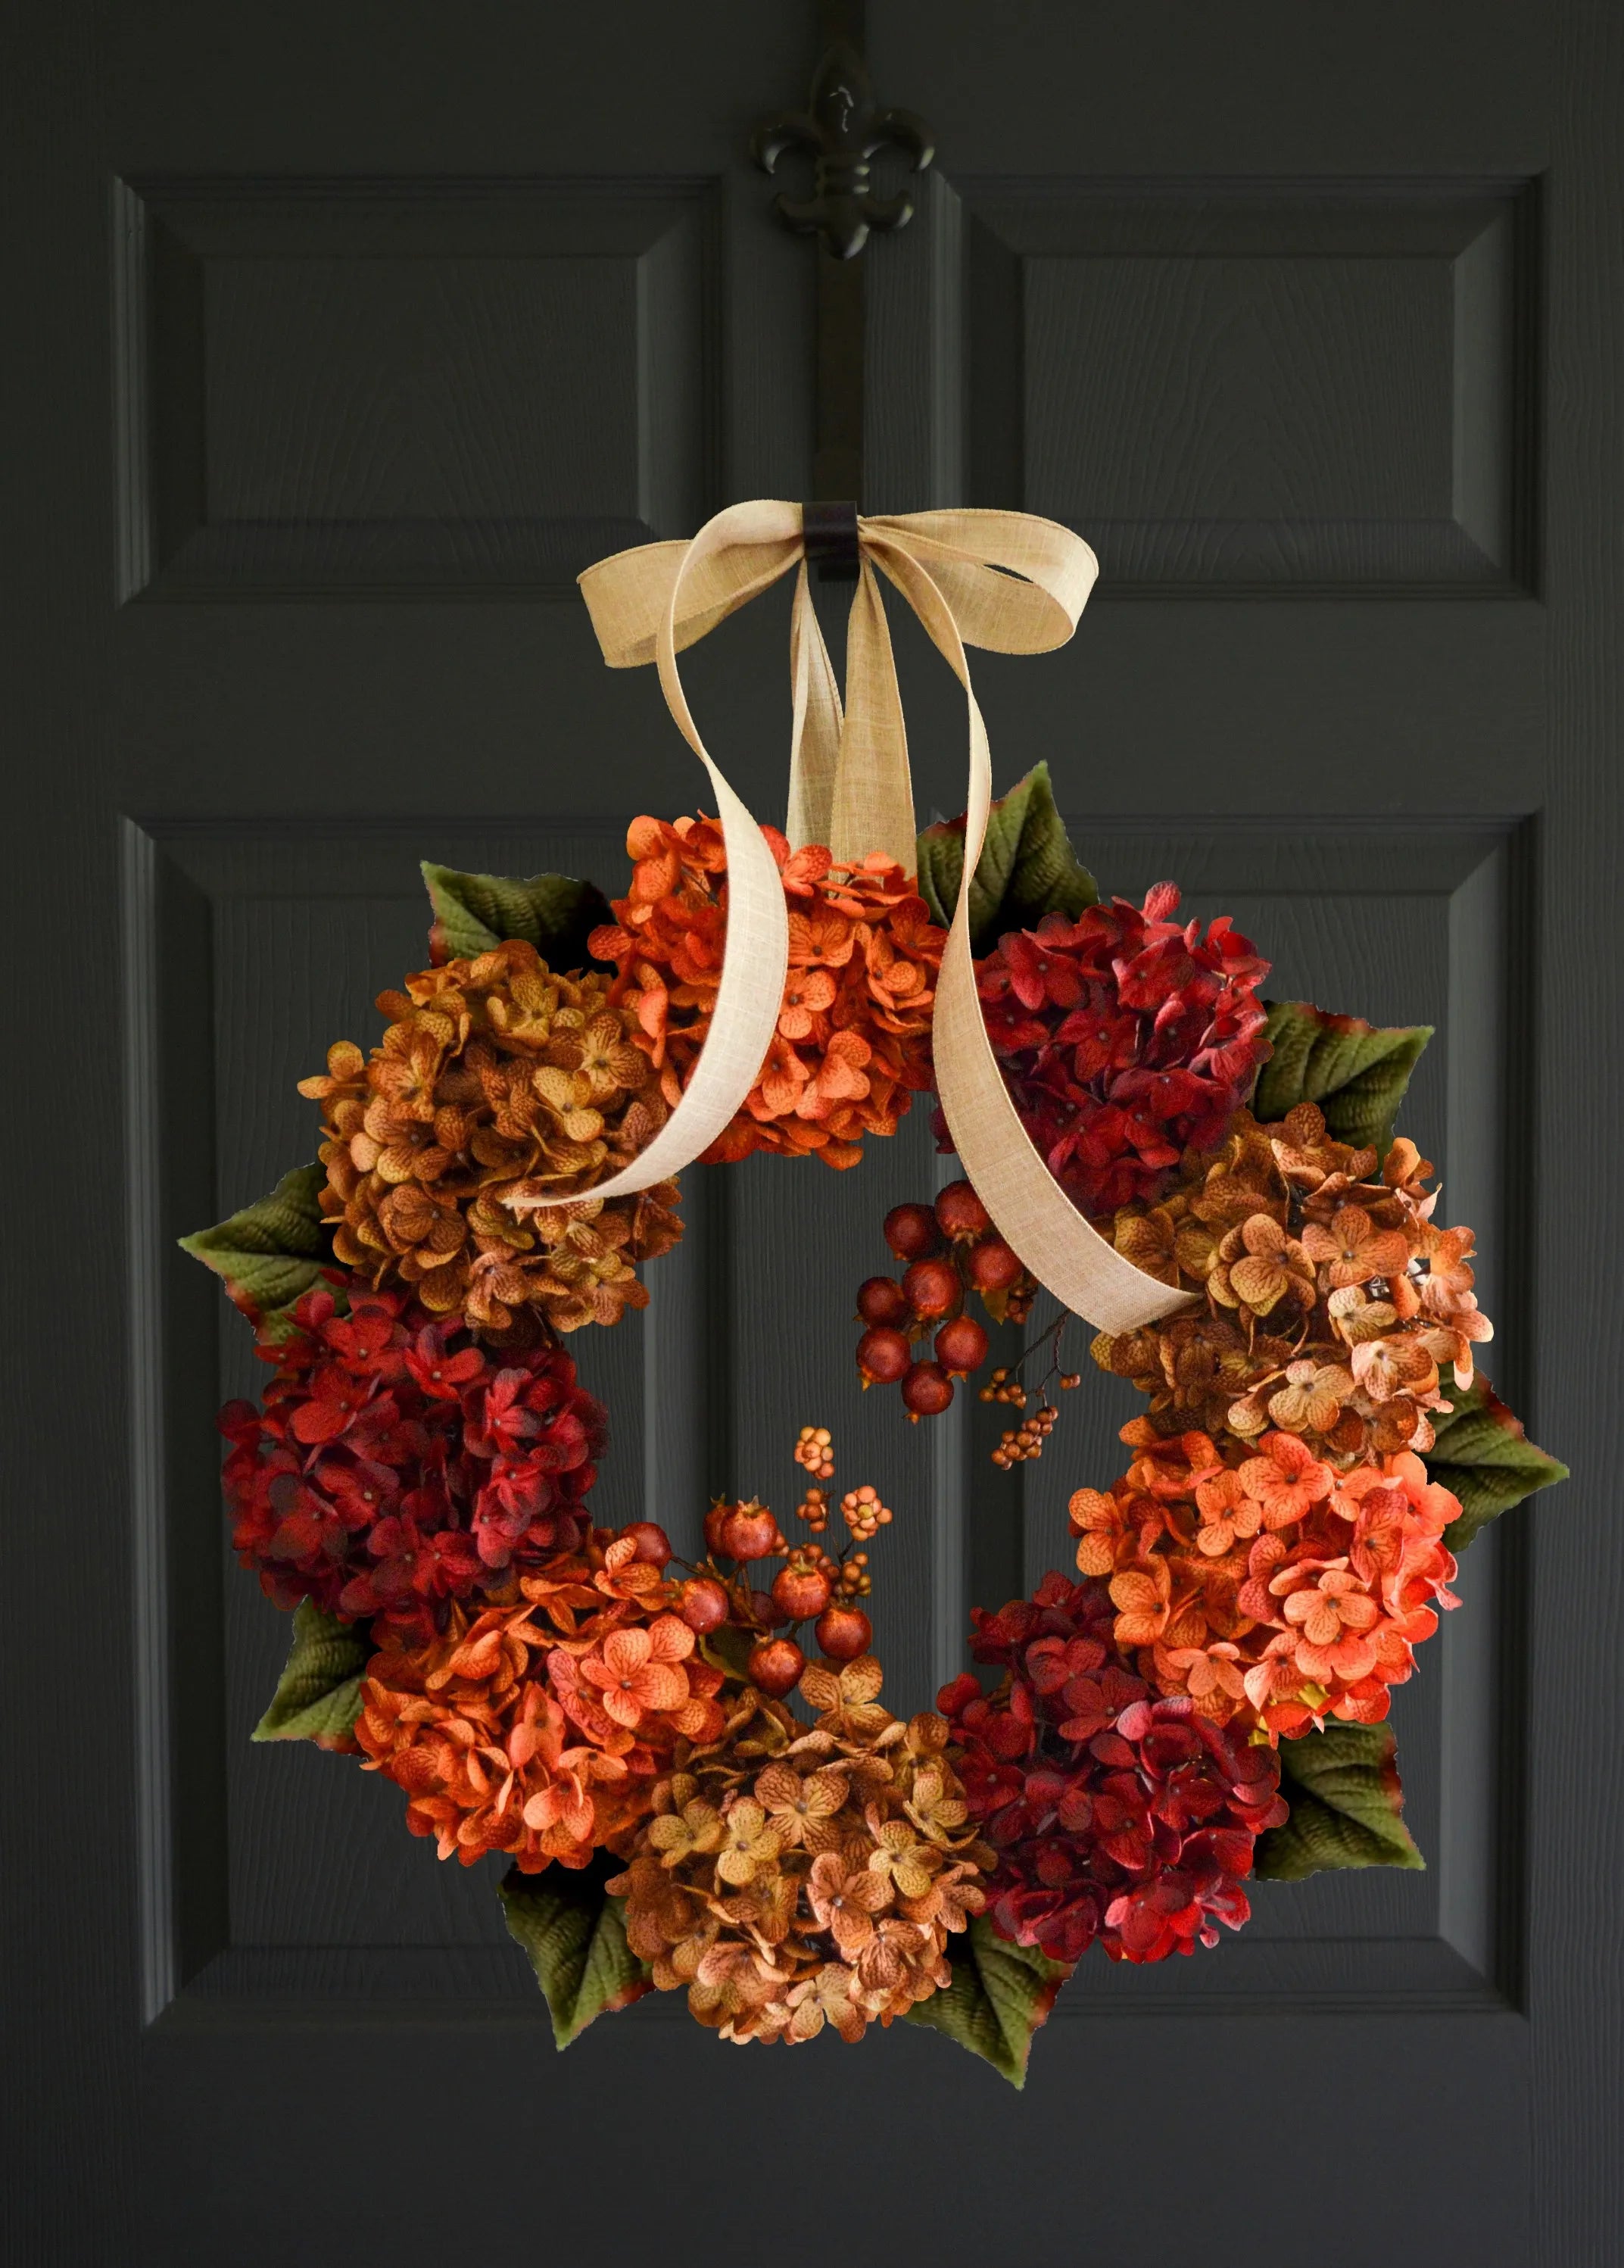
1212, 1180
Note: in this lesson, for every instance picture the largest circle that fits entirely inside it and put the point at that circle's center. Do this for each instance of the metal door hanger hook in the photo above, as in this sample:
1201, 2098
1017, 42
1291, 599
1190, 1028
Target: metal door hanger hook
830, 531
841, 131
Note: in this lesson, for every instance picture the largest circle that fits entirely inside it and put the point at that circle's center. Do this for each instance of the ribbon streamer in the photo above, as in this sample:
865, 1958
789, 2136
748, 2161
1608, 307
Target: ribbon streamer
1009, 582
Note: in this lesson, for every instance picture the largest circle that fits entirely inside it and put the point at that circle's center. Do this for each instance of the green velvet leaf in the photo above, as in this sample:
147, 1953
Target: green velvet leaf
729, 1650
1356, 1071
270, 1254
1027, 867
473, 912
1347, 1805
1482, 1455
318, 1696
999, 1995
574, 1934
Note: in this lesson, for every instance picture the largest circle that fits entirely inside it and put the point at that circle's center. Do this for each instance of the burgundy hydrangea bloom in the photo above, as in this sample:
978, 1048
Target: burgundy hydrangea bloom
396, 1464
1126, 1037
1115, 1814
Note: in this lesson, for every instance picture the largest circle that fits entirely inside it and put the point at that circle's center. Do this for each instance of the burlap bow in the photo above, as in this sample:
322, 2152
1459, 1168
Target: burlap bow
999, 579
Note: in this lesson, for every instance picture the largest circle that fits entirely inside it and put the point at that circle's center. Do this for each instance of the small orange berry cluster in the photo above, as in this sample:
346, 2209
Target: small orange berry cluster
849, 1576
863, 1512
815, 1449
811, 1586
864, 1516
1019, 1445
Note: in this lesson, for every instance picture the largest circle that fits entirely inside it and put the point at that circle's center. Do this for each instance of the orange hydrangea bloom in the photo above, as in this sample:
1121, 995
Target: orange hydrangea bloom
852, 1043
1272, 1588
538, 1727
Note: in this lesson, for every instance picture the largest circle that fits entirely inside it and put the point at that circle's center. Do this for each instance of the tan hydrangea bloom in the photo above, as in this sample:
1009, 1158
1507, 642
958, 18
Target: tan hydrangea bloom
497, 1078
1331, 1305
795, 1877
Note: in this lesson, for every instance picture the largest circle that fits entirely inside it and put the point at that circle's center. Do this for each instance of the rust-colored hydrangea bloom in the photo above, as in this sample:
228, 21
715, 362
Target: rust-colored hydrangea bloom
1273, 1589
496, 1078
538, 1727
853, 1044
1332, 1303
793, 1878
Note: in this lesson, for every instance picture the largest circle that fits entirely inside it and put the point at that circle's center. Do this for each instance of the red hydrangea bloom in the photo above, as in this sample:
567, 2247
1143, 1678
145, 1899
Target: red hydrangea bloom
1126, 1037
396, 1464
1115, 1814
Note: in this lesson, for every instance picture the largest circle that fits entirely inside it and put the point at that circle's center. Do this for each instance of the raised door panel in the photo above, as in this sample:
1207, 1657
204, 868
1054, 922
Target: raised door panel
1425, 923
273, 1870
355, 388
277, 1874
1281, 388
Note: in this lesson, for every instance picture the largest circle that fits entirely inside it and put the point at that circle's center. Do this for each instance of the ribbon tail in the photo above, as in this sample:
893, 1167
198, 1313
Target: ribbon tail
873, 807
815, 731
734, 556
1031, 1211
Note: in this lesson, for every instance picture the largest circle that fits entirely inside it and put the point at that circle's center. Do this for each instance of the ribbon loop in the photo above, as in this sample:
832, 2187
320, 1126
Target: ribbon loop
1008, 582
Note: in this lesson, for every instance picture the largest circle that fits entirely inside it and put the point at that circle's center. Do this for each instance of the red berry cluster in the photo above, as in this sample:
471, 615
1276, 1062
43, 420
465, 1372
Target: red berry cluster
952, 1249
1116, 1814
811, 1586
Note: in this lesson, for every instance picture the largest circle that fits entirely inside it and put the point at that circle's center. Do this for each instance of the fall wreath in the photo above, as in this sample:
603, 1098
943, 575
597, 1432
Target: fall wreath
1203, 1699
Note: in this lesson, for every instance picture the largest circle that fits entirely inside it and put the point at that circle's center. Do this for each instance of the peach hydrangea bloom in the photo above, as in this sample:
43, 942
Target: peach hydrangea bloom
1273, 1590
498, 1078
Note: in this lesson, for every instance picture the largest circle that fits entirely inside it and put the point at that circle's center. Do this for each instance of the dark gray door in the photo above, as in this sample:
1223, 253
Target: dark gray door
341, 340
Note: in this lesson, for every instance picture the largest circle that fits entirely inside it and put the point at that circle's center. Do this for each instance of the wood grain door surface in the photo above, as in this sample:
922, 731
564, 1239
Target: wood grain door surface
343, 339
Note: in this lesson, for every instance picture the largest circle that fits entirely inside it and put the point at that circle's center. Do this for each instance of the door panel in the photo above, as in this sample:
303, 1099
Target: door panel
1426, 923
356, 336
340, 389
287, 935
314, 1894
1293, 388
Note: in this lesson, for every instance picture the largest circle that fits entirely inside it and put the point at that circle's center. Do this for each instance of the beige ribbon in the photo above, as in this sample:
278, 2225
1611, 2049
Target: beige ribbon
850, 789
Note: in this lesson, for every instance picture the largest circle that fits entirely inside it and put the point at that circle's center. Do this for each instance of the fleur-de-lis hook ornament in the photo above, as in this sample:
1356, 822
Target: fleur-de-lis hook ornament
842, 131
